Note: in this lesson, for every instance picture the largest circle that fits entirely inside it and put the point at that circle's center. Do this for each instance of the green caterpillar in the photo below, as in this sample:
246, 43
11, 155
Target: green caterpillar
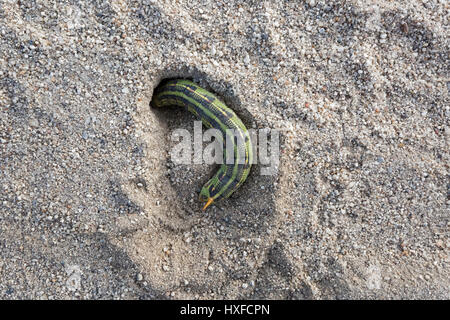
213, 114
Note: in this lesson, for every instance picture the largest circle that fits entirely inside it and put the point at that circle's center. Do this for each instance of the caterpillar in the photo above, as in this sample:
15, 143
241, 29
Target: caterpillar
214, 114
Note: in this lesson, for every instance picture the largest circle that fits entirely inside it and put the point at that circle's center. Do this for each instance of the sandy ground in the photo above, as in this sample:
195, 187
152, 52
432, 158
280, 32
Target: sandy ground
92, 207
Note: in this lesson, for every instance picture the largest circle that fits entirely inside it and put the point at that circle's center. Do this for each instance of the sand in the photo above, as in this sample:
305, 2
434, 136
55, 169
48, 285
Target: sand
93, 207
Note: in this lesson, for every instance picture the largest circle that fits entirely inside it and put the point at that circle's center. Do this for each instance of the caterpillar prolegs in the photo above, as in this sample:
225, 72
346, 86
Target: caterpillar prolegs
214, 114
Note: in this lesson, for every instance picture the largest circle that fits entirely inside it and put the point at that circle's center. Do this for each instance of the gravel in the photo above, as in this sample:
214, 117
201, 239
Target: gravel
92, 207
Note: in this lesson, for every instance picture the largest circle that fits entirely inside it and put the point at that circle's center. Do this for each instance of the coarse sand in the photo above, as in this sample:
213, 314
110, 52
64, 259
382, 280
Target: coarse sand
93, 207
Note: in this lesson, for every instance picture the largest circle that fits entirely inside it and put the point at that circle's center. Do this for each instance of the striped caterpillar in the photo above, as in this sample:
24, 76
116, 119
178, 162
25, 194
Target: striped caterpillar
214, 114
